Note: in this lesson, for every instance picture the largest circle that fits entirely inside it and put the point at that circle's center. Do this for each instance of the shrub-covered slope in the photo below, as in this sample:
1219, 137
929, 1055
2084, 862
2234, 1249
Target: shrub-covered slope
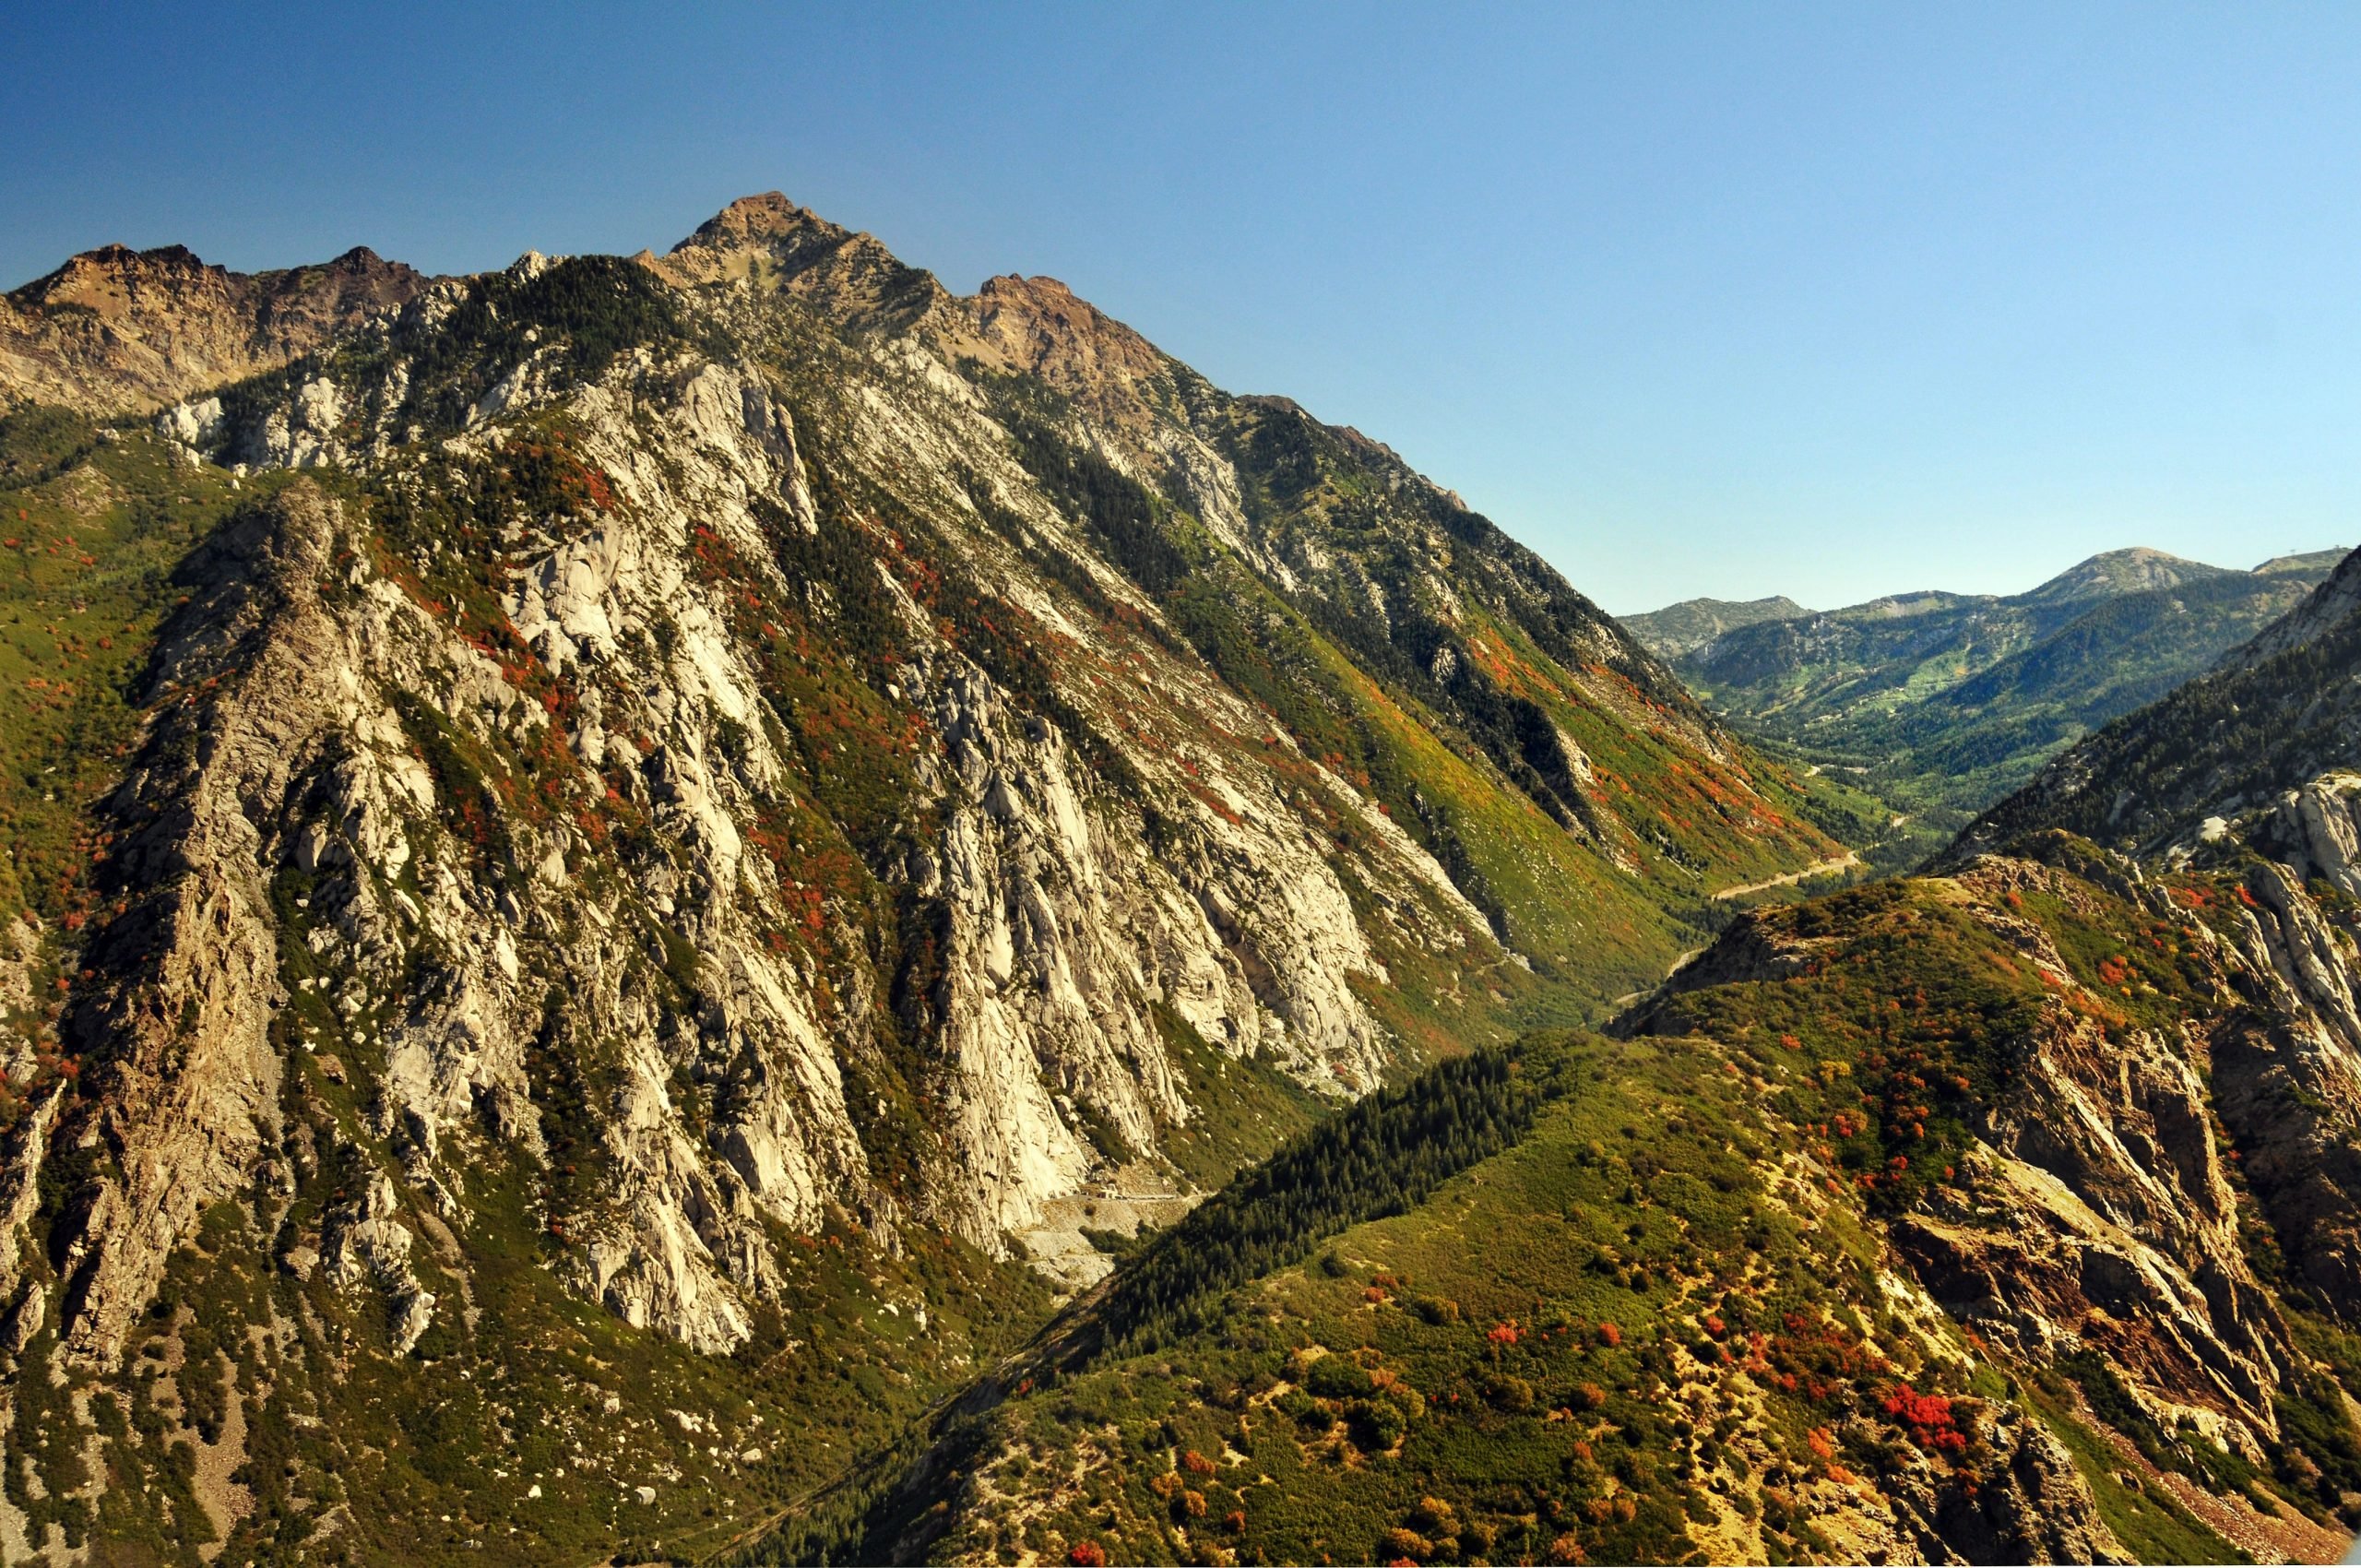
1952, 1218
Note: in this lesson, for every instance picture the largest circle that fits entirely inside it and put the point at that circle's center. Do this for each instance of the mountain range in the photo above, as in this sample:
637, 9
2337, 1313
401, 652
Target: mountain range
1945, 703
686, 840
728, 907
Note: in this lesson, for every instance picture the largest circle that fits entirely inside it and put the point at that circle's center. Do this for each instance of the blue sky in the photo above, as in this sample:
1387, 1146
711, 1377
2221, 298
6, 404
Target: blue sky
1828, 301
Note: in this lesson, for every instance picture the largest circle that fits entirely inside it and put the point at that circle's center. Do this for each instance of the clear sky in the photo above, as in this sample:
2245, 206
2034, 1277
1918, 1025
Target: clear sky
1727, 299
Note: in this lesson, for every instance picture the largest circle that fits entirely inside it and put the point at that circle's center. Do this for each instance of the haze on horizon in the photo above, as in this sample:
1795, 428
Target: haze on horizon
1830, 301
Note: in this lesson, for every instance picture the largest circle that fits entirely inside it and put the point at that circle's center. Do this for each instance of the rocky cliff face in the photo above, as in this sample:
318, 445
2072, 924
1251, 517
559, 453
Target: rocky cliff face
683, 770
2243, 775
116, 328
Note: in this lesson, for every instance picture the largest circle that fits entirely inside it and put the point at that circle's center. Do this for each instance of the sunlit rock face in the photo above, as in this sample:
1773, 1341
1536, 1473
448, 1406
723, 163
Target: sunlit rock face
747, 740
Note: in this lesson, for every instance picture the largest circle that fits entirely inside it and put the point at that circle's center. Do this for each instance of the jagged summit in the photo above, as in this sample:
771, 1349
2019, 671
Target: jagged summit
767, 241
759, 218
115, 327
85, 275
1039, 325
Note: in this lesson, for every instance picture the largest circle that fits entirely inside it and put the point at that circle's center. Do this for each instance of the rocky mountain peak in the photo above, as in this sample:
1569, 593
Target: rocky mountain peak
760, 221
767, 241
116, 328
1039, 325
107, 278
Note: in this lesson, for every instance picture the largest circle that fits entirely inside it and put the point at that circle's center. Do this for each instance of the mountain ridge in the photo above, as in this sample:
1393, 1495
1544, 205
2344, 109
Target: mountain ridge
658, 815
1946, 703
2082, 1123
116, 327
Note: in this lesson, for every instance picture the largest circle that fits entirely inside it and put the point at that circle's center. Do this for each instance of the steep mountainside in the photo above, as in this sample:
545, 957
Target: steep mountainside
1945, 703
2010, 1214
1691, 623
607, 855
2006, 1215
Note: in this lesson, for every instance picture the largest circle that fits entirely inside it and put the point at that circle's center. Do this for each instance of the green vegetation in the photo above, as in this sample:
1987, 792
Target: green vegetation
1532, 1305
1691, 623
2239, 734
90, 533
1243, 1109
1485, 1373
1943, 704
2148, 1521
1543, 1295
1459, 733
1379, 1156
579, 315
94, 524
521, 1424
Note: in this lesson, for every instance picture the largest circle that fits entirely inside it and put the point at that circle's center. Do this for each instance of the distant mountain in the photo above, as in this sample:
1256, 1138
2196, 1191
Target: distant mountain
1946, 701
115, 327
2136, 570
2312, 564
2260, 744
1674, 630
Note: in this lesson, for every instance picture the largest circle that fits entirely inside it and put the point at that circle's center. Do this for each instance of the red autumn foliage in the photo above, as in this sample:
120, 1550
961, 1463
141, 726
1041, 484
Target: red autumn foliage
1928, 1416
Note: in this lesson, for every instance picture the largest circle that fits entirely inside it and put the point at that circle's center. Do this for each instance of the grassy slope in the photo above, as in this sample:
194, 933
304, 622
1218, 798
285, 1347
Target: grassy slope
1741, 1169
89, 532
